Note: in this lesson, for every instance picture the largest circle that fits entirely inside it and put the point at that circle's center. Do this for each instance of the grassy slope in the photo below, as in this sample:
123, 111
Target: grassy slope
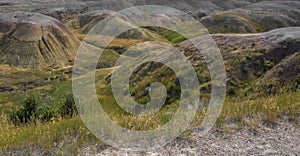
71, 134
55, 91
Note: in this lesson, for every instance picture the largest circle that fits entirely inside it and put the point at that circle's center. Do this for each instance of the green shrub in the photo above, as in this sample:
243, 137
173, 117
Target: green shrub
144, 100
15, 116
46, 114
27, 113
68, 109
31, 111
30, 106
231, 90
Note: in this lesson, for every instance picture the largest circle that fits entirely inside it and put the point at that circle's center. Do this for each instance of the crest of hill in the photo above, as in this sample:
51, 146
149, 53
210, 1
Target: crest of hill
89, 20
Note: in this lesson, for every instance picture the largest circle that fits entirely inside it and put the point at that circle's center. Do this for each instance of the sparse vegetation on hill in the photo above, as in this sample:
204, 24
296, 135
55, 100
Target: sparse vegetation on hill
38, 114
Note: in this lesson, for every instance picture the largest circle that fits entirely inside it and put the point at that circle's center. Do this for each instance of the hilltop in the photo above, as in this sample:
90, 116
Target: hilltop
36, 41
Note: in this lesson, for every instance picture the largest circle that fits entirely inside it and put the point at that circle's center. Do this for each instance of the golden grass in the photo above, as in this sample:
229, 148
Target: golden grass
73, 134
70, 133
119, 42
264, 109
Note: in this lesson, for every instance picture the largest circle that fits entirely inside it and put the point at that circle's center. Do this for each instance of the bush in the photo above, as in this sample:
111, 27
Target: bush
46, 114
31, 111
15, 116
30, 106
144, 100
231, 90
27, 113
68, 109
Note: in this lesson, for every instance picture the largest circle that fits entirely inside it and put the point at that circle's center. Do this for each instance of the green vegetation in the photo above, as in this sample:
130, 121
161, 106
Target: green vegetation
38, 111
33, 111
108, 59
254, 112
45, 115
54, 91
71, 134
172, 36
49, 123
68, 109
27, 113
60, 137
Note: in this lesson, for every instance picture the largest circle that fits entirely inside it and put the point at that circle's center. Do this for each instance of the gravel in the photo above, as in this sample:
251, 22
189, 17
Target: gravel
280, 139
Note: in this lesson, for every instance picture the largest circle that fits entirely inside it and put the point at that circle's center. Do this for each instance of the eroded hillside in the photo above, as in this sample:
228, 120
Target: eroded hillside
35, 41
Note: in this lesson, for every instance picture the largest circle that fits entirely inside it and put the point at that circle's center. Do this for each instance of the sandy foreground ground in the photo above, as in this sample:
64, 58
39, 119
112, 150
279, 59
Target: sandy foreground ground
280, 139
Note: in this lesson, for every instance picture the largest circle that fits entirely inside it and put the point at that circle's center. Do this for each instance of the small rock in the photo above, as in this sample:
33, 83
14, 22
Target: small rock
268, 152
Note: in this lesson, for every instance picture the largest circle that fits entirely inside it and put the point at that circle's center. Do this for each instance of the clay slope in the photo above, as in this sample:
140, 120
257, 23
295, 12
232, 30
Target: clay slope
230, 16
287, 70
248, 58
88, 20
36, 41
257, 17
269, 56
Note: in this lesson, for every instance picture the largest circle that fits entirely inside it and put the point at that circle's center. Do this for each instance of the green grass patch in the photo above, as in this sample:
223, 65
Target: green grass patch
108, 59
54, 92
172, 36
